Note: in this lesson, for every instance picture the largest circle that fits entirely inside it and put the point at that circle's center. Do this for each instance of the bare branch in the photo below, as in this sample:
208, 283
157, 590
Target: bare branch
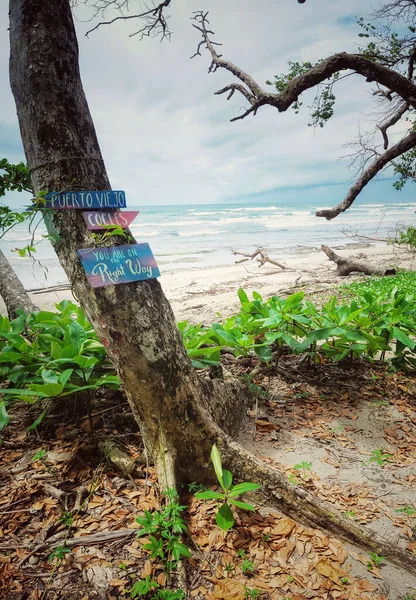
395, 118
405, 144
154, 17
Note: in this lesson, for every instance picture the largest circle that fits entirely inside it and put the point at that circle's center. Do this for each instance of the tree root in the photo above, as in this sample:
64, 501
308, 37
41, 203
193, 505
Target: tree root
301, 505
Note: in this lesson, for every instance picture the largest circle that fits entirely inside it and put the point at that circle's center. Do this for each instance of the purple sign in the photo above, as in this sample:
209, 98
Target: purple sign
104, 220
87, 199
118, 264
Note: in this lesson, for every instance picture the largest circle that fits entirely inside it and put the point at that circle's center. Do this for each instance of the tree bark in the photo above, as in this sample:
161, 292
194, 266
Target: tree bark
180, 416
12, 291
345, 266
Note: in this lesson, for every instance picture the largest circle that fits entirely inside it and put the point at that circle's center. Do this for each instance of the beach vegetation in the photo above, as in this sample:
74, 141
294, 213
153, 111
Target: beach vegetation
46, 356
380, 319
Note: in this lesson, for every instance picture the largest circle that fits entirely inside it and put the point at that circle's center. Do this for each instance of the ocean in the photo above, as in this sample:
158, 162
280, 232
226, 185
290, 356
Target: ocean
185, 237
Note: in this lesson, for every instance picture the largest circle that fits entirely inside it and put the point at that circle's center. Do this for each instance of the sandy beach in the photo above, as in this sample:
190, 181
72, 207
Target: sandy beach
197, 295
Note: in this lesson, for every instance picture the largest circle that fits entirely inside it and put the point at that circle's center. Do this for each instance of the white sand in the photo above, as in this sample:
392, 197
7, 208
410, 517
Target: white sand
198, 294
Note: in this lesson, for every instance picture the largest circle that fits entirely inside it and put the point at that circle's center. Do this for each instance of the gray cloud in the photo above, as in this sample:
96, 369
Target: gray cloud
167, 139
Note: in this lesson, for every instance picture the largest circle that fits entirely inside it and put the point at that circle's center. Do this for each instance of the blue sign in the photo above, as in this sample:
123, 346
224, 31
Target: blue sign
85, 200
118, 264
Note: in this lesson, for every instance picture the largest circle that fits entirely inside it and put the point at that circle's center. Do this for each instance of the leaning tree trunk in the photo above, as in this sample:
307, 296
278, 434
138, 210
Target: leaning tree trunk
134, 321
12, 291
180, 416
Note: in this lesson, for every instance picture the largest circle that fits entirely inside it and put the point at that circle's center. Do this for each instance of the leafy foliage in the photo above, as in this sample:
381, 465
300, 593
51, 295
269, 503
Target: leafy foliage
380, 318
50, 355
163, 530
15, 178
224, 517
324, 102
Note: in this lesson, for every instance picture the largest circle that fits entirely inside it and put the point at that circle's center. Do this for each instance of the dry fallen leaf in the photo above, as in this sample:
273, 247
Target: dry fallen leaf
327, 569
284, 527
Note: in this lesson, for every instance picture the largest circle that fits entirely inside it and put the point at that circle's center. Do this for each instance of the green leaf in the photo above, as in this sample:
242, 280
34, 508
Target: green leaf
243, 296
38, 421
403, 338
49, 376
65, 375
209, 495
4, 417
18, 324
224, 517
56, 350
216, 461
227, 479
264, 353
10, 357
50, 390
23, 392
78, 335
242, 488
243, 505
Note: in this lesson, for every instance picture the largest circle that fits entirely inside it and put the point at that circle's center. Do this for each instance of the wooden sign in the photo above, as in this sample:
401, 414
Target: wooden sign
87, 199
118, 264
103, 220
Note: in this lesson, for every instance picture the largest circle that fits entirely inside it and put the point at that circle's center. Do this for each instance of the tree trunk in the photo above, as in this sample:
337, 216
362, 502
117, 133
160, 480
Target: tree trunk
180, 416
345, 266
12, 291
134, 321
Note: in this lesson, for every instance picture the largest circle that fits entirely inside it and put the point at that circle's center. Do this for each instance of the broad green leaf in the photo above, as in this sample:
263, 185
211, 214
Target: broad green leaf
49, 376
69, 351
50, 390
4, 417
65, 375
18, 324
20, 393
243, 296
209, 495
403, 338
56, 349
264, 353
227, 479
10, 357
243, 505
242, 488
78, 335
216, 461
224, 517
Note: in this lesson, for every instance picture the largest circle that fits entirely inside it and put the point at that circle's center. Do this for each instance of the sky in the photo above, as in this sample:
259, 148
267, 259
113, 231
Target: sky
167, 139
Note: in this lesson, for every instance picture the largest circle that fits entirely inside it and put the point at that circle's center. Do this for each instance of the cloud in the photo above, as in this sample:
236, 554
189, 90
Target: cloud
167, 138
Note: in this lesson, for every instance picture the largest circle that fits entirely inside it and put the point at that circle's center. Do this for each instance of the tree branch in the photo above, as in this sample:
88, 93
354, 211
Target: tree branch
156, 21
395, 118
405, 144
372, 71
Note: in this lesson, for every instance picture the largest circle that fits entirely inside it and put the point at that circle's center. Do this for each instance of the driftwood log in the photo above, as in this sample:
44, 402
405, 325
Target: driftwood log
263, 257
345, 266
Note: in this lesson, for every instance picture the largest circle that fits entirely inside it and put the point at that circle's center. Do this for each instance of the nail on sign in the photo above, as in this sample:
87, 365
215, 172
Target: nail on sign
103, 220
87, 199
119, 264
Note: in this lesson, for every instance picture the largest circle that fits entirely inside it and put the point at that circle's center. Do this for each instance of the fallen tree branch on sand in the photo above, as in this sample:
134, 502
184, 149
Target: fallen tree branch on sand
345, 266
264, 257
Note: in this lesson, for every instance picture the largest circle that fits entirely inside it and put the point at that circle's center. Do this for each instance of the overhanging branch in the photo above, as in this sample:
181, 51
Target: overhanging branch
407, 143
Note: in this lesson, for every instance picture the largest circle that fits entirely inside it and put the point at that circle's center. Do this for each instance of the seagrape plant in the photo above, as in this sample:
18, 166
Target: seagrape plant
379, 316
46, 356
